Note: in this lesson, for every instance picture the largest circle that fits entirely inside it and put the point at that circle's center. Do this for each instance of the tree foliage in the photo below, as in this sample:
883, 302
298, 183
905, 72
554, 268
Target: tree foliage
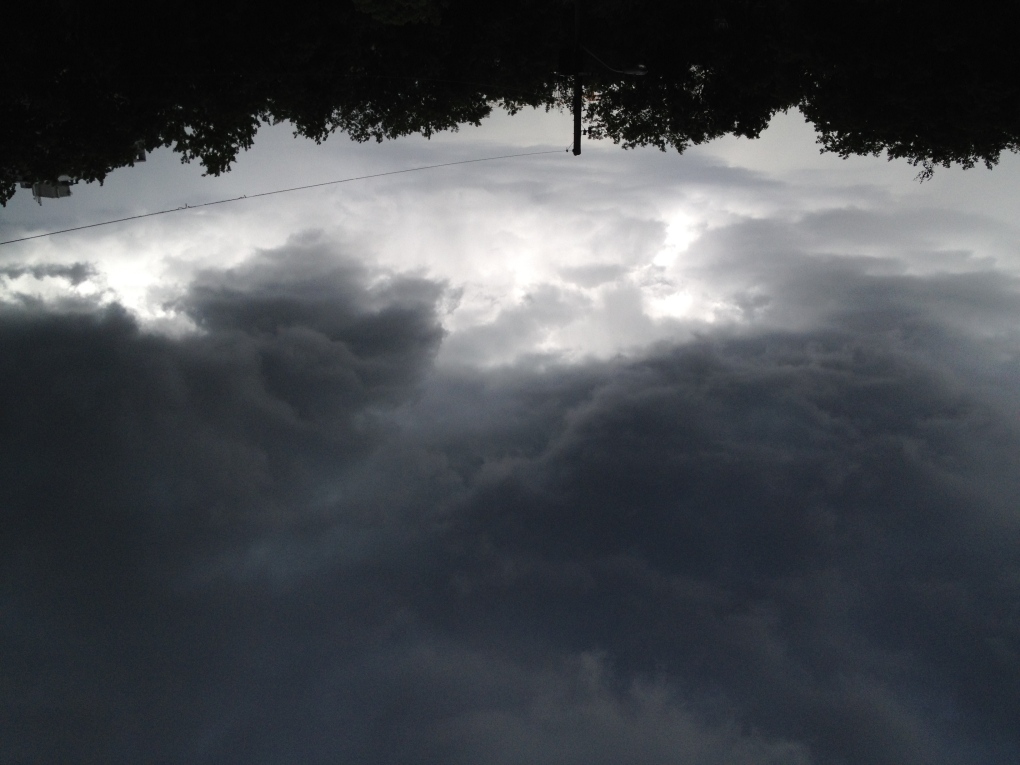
934, 86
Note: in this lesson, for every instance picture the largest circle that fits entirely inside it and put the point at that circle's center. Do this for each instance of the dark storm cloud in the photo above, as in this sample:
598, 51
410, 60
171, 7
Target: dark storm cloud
772, 522
75, 273
135, 466
287, 539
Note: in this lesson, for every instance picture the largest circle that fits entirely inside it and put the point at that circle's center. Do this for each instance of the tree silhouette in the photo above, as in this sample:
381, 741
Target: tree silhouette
931, 85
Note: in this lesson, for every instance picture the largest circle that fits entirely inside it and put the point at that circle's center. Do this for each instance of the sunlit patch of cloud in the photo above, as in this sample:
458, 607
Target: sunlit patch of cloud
619, 237
52, 283
681, 230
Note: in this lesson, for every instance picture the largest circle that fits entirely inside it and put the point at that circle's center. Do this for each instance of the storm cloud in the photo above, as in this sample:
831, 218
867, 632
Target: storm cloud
288, 535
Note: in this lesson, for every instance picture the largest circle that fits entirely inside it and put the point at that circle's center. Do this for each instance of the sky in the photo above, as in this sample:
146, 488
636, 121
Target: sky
632, 457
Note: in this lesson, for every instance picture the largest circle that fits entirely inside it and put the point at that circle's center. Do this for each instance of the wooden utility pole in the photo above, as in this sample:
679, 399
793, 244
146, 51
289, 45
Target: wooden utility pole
577, 77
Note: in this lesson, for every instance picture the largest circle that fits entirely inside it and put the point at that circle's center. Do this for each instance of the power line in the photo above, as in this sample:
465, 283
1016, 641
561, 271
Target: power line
278, 191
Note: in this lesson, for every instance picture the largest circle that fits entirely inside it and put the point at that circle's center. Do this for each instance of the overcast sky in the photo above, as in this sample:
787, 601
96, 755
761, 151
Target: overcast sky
624, 458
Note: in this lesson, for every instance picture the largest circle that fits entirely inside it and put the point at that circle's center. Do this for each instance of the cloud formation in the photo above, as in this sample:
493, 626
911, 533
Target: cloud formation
788, 537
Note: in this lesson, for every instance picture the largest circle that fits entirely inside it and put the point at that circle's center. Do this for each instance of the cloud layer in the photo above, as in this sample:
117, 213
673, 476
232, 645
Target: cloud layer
788, 536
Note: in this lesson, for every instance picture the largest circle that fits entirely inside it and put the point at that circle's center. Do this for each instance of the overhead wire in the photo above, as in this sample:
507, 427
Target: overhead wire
276, 191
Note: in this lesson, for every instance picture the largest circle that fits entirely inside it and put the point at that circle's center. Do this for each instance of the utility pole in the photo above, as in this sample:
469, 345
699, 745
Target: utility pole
579, 51
577, 77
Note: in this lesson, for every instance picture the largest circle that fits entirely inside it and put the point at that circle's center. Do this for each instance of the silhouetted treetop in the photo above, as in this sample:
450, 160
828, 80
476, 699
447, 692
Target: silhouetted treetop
928, 84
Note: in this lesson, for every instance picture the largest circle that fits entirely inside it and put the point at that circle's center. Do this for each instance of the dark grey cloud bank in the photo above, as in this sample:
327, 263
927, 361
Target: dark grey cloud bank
291, 539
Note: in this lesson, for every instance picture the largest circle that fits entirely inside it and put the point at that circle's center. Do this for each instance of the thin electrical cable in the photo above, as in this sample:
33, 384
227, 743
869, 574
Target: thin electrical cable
278, 191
